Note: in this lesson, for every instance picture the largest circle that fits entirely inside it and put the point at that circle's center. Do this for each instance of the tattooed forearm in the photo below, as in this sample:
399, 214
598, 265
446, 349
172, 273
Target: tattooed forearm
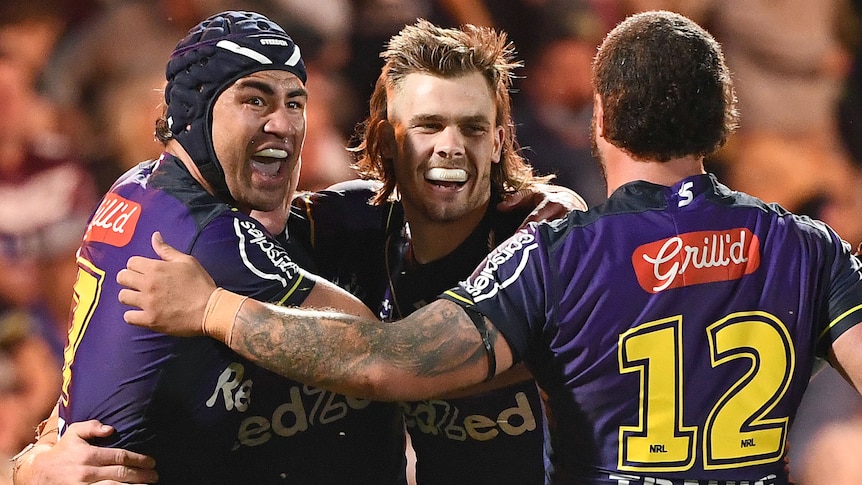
435, 349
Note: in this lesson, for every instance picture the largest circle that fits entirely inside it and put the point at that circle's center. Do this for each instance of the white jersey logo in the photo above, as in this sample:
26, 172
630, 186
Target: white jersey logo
685, 194
483, 285
250, 237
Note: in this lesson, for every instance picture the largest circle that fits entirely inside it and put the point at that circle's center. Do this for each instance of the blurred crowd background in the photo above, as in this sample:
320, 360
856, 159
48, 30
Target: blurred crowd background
80, 88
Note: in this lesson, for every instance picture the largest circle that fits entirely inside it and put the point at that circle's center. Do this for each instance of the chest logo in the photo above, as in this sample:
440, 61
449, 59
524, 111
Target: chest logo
696, 257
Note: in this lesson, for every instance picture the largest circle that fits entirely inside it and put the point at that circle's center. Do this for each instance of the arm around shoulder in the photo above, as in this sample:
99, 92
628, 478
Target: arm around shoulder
71, 460
435, 350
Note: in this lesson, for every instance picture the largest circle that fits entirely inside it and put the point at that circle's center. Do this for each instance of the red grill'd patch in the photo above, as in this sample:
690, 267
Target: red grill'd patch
114, 222
696, 257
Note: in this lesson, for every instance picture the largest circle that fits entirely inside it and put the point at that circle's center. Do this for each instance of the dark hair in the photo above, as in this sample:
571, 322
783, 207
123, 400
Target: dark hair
666, 91
427, 48
163, 131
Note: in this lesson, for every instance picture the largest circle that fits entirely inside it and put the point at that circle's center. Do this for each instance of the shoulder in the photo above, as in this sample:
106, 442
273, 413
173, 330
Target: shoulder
241, 256
346, 208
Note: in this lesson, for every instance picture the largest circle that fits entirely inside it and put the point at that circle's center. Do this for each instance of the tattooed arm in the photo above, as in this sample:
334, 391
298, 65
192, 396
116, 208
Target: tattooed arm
435, 350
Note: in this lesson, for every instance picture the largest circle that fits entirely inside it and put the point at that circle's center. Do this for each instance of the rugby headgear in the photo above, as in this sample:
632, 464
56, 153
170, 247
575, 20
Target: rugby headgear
214, 54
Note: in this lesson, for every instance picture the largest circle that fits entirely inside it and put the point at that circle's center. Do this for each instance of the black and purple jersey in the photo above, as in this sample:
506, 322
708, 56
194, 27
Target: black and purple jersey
674, 330
207, 415
494, 438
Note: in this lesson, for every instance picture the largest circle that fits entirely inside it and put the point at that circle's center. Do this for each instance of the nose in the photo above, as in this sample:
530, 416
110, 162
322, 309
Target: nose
450, 143
283, 123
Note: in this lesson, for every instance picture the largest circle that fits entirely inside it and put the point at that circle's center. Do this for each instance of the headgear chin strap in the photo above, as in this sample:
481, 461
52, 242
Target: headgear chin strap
214, 54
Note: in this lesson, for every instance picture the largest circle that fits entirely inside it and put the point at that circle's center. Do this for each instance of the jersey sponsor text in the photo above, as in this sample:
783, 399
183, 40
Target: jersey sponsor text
696, 257
114, 221
483, 285
250, 234
438, 417
306, 406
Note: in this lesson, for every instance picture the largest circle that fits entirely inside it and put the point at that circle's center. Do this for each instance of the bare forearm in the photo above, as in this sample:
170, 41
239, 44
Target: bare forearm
435, 350
516, 374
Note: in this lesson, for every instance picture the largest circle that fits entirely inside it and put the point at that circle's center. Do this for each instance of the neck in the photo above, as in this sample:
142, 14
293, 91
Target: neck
432, 240
174, 148
621, 168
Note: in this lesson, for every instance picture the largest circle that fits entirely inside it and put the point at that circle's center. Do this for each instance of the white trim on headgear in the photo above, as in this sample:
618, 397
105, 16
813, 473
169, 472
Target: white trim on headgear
245, 51
294, 58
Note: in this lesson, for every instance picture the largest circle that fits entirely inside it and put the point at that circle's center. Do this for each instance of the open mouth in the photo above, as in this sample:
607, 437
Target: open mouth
446, 177
268, 161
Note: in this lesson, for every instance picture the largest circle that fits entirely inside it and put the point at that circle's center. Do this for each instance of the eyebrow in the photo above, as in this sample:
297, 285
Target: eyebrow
267, 88
460, 120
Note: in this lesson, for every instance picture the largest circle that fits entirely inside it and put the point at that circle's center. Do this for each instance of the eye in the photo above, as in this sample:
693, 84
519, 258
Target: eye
429, 126
474, 130
255, 101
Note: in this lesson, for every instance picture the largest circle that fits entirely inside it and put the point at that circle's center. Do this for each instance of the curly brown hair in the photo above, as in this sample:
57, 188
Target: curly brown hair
446, 52
666, 91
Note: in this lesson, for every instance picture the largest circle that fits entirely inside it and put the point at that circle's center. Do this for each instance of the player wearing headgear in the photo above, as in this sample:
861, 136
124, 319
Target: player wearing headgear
233, 132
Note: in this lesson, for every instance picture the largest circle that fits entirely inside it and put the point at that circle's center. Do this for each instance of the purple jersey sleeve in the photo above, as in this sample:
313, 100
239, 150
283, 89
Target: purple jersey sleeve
240, 256
518, 262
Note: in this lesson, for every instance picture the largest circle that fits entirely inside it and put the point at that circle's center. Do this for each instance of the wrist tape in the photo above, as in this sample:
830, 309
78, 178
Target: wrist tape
220, 314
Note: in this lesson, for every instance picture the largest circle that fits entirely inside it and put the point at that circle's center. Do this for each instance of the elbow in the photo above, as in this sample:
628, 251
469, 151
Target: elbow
378, 384
383, 383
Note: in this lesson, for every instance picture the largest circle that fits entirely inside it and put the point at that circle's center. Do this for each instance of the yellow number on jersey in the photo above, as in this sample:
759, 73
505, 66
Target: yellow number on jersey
736, 432
87, 290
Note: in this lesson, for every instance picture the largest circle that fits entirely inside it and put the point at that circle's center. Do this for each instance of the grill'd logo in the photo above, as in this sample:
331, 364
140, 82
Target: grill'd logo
114, 221
696, 257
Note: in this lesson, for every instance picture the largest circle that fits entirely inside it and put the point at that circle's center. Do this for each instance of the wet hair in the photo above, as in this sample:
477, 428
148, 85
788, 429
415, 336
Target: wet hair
445, 52
666, 91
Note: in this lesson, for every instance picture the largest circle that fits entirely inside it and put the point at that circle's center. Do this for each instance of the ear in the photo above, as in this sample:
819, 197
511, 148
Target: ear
388, 146
498, 145
599, 115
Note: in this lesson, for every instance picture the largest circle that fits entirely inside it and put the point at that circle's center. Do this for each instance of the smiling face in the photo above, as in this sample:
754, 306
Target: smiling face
445, 142
258, 130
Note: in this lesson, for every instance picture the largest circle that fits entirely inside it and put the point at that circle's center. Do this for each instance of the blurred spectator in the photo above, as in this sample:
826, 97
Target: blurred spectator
325, 159
45, 199
555, 109
850, 101
45, 195
322, 29
106, 75
29, 381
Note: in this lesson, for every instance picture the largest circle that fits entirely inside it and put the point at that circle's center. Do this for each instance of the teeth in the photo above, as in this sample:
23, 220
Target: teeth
271, 153
446, 175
